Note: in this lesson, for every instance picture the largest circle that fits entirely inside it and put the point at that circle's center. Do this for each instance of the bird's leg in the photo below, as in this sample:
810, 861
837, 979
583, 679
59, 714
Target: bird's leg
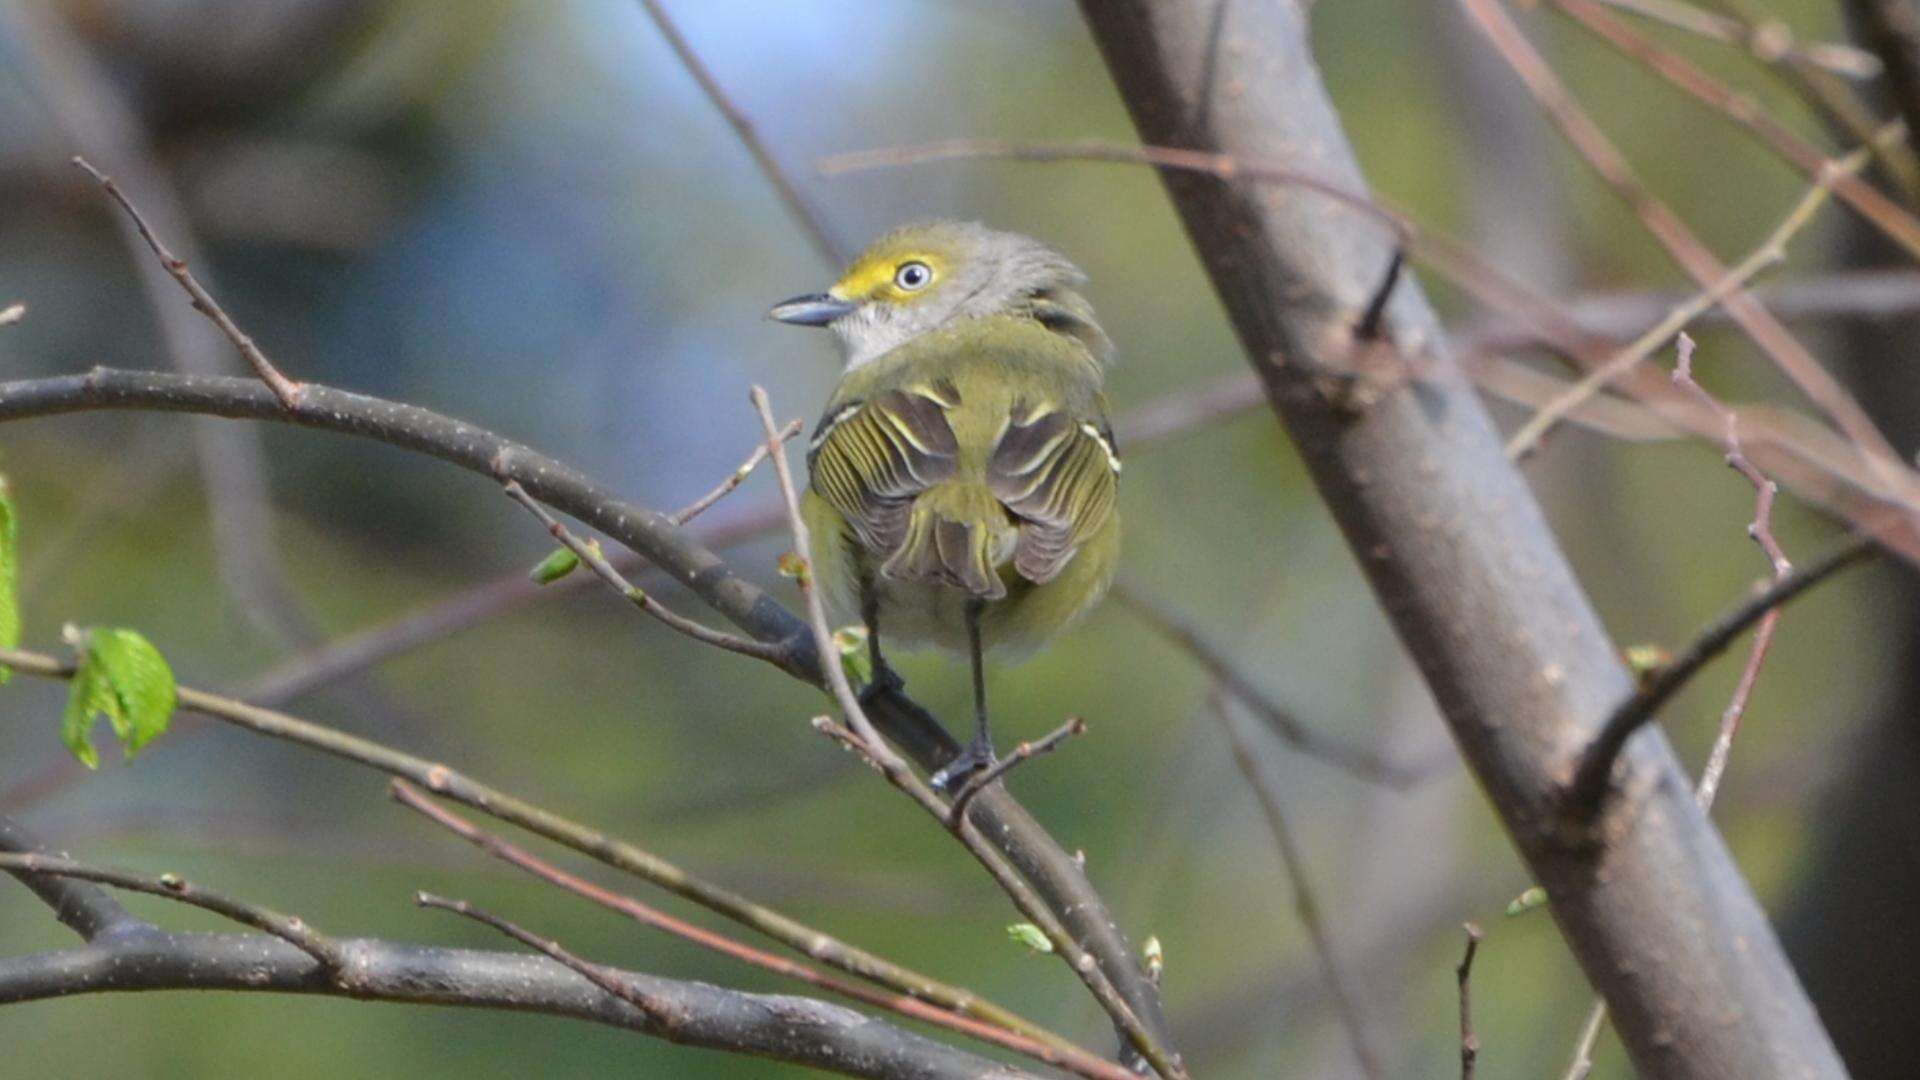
885, 680
978, 753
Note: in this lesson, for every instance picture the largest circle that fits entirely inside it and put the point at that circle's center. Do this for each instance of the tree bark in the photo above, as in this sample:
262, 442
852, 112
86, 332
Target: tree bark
1455, 546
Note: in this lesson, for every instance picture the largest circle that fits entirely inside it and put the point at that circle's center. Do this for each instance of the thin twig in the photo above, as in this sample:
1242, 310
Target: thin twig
283, 388
1686, 250
1771, 251
1596, 1021
1589, 785
836, 675
619, 854
1464, 268
1889, 217
605, 978
992, 773
1053, 1049
804, 213
1228, 676
1846, 61
734, 479
1760, 530
772, 652
1469, 1042
288, 928
1305, 903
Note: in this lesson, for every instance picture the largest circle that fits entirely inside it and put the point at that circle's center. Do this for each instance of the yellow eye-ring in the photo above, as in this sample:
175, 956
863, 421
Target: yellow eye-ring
913, 276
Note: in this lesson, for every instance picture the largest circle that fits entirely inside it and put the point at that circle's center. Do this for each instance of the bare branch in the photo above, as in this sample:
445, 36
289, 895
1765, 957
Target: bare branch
1772, 250
1451, 539
84, 908
804, 213
1844, 60
1031, 1039
992, 773
1306, 904
1469, 1042
618, 854
772, 652
777, 1026
1682, 246
734, 479
1882, 212
288, 928
1055, 876
283, 388
1361, 762
1590, 781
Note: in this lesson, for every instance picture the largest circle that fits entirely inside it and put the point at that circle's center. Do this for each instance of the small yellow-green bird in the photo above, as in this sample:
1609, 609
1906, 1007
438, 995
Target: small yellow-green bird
964, 473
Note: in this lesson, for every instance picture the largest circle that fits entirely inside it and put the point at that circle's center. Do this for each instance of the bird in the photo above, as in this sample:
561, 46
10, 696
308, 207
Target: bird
963, 477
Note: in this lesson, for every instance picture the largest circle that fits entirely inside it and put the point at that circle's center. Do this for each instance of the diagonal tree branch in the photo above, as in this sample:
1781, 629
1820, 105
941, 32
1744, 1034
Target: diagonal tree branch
1456, 548
1056, 876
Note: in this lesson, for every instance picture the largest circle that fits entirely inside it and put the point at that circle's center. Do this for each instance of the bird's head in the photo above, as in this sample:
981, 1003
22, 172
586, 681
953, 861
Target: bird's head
920, 277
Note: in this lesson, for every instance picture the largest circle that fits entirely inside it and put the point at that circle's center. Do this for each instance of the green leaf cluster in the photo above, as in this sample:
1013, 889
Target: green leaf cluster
122, 677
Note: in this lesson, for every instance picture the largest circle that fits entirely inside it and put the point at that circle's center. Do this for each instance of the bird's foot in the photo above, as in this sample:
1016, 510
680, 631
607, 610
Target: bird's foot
977, 755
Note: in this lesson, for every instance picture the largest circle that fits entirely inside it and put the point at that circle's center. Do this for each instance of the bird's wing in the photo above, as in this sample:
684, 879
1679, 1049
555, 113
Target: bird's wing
1058, 474
871, 459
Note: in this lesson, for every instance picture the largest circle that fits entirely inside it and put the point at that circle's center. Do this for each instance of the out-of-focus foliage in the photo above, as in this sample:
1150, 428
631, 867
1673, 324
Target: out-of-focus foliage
526, 215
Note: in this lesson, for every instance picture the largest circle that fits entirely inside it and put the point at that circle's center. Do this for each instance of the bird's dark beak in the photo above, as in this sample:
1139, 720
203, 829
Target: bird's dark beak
817, 309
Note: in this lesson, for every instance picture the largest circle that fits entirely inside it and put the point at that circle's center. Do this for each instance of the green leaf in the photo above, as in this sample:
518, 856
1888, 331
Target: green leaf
855, 660
87, 696
555, 566
1527, 901
9, 575
1025, 933
122, 677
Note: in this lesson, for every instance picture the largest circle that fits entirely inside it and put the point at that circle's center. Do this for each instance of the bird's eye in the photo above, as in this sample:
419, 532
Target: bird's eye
913, 276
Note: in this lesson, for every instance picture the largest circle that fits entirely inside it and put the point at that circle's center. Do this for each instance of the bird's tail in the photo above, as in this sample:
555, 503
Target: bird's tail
958, 534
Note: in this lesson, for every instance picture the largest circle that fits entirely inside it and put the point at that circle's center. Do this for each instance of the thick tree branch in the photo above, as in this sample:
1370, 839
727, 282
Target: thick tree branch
777, 1026
81, 906
1457, 549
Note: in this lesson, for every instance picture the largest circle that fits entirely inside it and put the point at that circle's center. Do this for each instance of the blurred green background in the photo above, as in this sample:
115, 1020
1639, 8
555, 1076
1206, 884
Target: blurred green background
527, 215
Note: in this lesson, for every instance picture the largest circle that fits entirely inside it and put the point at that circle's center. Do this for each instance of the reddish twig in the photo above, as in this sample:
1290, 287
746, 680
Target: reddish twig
1053, 1049
1682, 246
285, 389
1761, 531
1463, 974
1771, 251
605, 978
1884, 214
